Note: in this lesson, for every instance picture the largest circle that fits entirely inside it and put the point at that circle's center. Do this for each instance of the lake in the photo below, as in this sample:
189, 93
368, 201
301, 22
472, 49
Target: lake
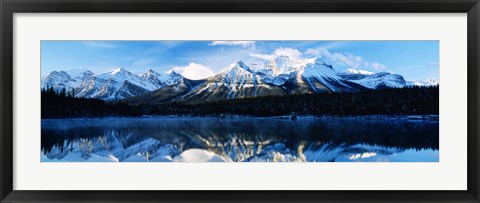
241, 139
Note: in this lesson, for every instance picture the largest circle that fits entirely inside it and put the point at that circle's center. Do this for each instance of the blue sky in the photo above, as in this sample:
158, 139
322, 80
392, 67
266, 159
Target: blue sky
415, 60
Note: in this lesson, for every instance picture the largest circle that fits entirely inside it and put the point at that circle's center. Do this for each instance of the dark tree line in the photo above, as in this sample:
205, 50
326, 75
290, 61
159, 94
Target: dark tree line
63, 104
389, 101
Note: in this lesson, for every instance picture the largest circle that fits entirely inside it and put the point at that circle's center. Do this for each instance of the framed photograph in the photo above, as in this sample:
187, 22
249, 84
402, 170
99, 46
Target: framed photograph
263, 101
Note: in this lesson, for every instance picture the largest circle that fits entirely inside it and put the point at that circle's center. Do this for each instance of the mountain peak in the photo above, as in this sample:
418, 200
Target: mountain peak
119, 70
175, 74
150, 73
59, 73
238, 66
236, 73
240, 63
88, 72
321, 62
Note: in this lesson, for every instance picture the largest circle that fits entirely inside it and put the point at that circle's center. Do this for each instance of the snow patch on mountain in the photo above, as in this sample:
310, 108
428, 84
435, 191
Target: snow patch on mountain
59, 80
427, 82
323, 73
238, 76
356, 71
376, 80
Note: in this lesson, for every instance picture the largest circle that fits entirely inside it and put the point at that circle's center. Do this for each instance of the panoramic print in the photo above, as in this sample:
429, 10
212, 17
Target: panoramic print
239, 101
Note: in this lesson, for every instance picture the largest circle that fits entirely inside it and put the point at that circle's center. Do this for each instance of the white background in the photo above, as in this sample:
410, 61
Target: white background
448, 174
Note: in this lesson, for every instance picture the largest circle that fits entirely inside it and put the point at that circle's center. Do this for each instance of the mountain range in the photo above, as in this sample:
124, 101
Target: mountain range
281, 76
114, 85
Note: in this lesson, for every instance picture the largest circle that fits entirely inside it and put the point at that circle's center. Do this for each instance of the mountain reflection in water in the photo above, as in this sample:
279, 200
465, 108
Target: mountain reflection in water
201, 139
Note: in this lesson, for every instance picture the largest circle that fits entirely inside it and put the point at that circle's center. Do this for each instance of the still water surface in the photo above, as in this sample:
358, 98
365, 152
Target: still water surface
242, 139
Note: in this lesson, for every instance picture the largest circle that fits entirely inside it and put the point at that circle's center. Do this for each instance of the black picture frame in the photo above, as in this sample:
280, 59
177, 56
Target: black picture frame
10, 7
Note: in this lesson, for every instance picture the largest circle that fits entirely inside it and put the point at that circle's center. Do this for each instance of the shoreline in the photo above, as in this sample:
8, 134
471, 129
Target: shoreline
426, 117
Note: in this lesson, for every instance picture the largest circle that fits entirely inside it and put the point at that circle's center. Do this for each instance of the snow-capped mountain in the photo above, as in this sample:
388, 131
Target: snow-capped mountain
427, 82
315, 76
161, 79
129, 146
59, 80
80, 74
235, 81
240, 81
374, 80
117, 84
173, 92
278, 77
65, 79
303, 76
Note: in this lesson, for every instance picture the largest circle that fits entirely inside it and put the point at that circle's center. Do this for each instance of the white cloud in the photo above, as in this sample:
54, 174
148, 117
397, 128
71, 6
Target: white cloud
290, 52
193, 71
345, 59
263, 56
245, 44
377, 66
98, 44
